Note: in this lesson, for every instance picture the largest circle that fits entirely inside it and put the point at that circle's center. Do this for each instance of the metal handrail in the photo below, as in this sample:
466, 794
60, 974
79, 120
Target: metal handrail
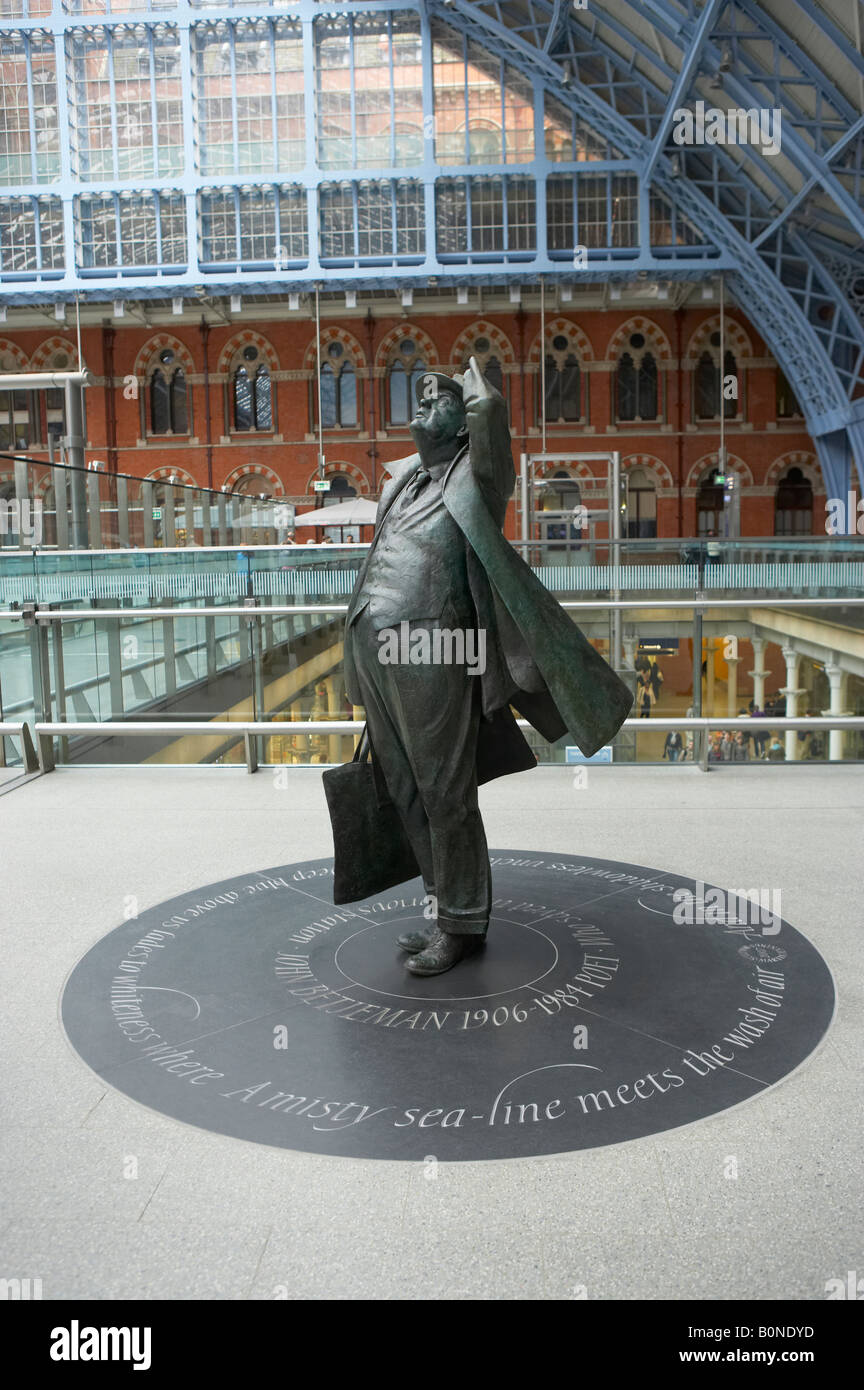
265, 610
663, 545
269, 728
251, 729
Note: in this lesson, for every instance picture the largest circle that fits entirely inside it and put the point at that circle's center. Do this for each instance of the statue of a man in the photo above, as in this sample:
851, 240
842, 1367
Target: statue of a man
448, 631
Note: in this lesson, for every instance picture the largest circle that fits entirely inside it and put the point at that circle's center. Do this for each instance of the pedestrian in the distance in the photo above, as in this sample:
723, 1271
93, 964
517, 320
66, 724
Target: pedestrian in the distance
674, 746
644, 695
655, 675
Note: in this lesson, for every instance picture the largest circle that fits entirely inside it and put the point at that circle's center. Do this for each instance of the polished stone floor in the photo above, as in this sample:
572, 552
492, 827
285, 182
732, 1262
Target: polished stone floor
102, 1198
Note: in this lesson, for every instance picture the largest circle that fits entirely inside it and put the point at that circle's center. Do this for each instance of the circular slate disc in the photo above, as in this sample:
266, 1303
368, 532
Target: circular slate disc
610, 1003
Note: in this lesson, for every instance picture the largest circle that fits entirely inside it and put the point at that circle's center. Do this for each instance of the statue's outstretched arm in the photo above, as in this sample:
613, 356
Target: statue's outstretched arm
490, 449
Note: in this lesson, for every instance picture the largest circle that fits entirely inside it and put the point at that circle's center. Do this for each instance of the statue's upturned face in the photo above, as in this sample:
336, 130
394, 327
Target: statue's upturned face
439, 420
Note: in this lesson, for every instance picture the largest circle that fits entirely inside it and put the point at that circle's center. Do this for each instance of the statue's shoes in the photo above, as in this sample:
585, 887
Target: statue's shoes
443, 952
413, 941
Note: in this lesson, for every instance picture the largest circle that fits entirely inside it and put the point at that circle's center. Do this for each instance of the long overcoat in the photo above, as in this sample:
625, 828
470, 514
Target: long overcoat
537, 660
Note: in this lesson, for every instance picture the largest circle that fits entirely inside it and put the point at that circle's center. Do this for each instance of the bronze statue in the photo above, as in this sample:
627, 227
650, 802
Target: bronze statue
448, 631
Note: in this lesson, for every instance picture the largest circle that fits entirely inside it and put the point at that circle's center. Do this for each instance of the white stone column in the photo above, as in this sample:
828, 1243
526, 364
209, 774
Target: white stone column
318, 743
758, 674
335, 687
791, 691
732, 663
300, 742
837, 705
630, 643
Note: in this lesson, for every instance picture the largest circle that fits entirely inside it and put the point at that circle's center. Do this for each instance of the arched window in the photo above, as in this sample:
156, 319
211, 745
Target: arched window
177, 402
242, 400
709, 387
169, 501
249, 390
341, 488
787, 406
626, 388
637, 395
730, 368
397, 413
160, 407
636, 383
494, 374
252, 485
484, 141
402, 391
406, 369
329, 414
483, 350
560, 495
169, 407
262, 400
563, 388
647, 388
641, 505
347, 395
339, 406
253, 408
710, 514
17, 419
418, 371
793, 505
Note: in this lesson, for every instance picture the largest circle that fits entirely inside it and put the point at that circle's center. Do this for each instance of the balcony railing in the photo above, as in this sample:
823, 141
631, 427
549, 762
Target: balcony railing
261, 683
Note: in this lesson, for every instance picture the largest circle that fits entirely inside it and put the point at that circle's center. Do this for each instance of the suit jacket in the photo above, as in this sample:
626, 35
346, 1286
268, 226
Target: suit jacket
537, 659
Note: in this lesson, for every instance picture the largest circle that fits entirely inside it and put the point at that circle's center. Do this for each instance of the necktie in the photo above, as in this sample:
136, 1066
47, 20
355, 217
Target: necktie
413, 488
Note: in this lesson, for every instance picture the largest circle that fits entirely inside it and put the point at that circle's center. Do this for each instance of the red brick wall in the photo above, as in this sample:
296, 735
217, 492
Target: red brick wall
290, 451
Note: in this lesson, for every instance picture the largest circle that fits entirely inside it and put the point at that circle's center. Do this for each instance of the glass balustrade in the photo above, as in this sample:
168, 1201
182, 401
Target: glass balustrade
220, 655
160, 603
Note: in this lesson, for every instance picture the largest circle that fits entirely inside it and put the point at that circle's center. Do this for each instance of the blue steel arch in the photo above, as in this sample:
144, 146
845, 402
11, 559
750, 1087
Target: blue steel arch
786, 235
796, 292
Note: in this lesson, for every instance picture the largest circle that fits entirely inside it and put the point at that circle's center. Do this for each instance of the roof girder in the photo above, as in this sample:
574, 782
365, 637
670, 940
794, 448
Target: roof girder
775, 310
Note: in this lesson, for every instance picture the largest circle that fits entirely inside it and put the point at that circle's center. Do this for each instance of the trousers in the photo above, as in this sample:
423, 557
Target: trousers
423, 722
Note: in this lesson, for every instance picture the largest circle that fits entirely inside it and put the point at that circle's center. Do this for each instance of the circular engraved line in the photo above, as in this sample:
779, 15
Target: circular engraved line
326, 1069
442, 998
649, 908
616, 892
550, 1066
167, 989
552, 912
749, 932
600, 897
278, 1012
676, 1047
343, 907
